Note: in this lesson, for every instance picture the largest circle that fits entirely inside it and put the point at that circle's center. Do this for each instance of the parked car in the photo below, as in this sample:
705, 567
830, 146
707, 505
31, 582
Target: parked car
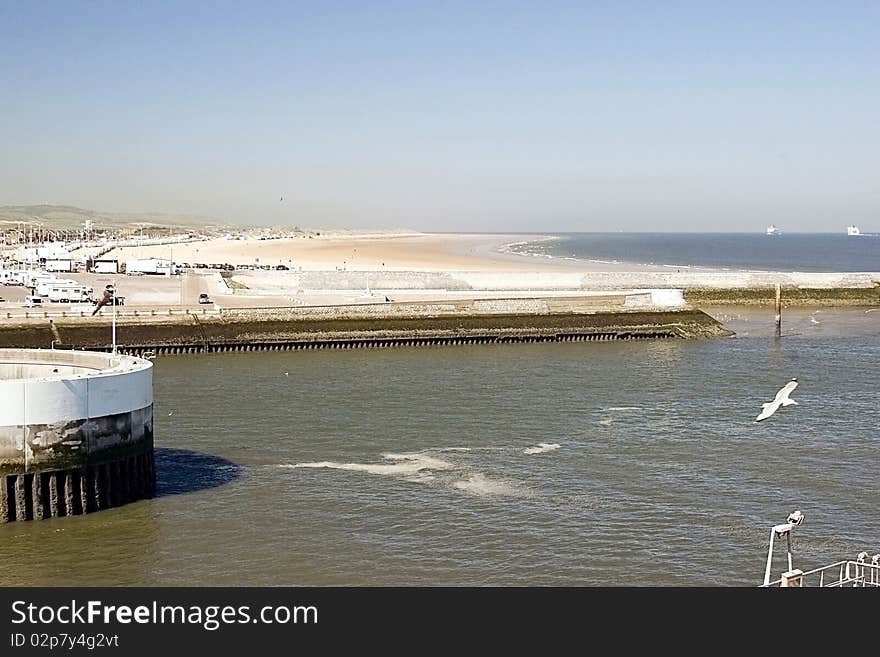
33, 301
203, 298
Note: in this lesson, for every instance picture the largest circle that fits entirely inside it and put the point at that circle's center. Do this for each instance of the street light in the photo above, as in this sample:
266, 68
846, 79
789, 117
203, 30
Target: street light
794, 519
109, 297
112, 289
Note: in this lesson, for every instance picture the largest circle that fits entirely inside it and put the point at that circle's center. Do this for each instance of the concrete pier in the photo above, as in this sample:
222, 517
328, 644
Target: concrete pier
76, 432
364, 327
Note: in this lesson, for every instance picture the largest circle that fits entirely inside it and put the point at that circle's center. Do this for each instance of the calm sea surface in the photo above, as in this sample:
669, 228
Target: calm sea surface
425, 466
787, 252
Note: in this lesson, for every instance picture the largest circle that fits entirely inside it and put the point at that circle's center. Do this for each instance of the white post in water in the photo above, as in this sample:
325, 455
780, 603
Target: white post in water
778, 307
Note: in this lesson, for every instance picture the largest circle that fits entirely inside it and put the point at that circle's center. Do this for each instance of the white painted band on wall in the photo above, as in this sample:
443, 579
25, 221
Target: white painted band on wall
126, 385
44, 402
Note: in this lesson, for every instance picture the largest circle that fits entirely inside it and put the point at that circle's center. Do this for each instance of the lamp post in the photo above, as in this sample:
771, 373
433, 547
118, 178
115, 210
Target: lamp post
113, 301
110, 296
794, 519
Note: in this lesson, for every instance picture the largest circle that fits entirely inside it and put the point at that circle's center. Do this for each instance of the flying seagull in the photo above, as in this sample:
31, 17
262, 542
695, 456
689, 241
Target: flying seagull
781, 399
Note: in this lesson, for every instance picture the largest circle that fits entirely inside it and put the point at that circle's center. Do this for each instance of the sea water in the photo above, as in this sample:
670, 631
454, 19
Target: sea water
736, 251
634, 463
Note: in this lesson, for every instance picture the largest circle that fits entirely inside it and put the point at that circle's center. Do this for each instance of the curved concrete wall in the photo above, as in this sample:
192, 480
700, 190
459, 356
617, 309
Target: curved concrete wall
76, 432
56, 419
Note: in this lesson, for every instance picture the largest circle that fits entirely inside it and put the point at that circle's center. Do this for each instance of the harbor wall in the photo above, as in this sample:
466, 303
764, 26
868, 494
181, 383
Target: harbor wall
360, 326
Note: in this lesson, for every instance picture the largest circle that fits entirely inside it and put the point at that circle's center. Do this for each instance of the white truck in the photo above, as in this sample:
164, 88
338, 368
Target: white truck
67, 293
43, 285
106, 266
150, 266
15, 276
59, 264
26, 277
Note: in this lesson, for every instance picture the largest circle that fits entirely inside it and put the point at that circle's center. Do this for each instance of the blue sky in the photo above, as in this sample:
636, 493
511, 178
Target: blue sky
448, 116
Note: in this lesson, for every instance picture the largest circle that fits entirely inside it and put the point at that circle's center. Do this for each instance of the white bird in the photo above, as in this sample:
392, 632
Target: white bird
781, 399
287, 374
171, 413
813, 320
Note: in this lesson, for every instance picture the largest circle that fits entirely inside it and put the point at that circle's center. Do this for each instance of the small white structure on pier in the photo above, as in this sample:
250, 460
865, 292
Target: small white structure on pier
856, 573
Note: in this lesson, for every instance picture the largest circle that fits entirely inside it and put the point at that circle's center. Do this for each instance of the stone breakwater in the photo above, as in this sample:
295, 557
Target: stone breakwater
373, 325
791, 296
291, 282
716, 288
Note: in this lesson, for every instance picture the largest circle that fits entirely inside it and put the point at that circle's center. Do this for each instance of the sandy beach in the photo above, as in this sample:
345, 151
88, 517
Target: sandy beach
420, 252
338, 252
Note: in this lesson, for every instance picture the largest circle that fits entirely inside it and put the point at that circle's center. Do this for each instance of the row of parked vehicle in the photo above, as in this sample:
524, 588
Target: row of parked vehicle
36, 301
228, 267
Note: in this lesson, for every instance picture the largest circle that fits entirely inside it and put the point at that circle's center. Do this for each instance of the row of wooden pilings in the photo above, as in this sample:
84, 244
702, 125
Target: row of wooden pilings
77, 490
373, 343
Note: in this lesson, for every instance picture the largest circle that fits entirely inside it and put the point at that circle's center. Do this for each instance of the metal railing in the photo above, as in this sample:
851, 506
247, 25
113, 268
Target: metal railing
847, 573
141, 312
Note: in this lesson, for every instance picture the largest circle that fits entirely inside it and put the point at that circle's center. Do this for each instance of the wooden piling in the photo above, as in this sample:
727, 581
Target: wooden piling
778, 309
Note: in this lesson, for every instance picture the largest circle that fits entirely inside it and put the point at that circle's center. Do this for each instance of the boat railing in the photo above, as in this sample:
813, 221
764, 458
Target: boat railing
847, 573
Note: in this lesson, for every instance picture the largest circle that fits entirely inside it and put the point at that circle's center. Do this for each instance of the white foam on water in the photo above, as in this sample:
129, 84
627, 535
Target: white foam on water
541, 448
441, 450
422, 468
406, 465
606, 421
623, 408
420, 478
479, 484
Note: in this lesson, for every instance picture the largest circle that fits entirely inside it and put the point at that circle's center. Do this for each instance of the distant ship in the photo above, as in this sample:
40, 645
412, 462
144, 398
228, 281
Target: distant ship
773, 230
853, 230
